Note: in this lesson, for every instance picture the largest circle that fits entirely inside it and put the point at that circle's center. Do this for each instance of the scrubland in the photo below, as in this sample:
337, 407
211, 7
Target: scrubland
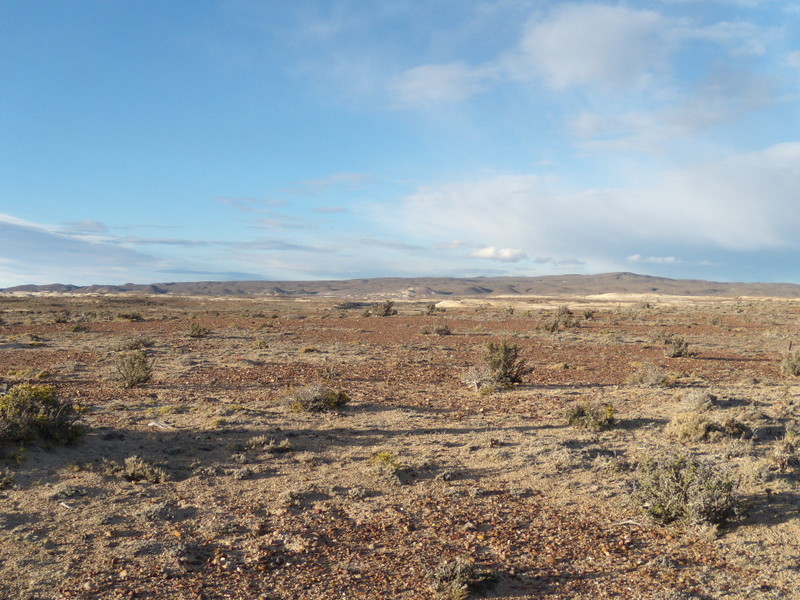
260, 447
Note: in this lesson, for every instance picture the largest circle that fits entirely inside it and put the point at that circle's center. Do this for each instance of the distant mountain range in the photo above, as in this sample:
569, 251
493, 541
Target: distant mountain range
438, 287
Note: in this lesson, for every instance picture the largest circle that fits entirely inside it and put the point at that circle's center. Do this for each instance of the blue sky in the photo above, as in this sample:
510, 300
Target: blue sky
150, 141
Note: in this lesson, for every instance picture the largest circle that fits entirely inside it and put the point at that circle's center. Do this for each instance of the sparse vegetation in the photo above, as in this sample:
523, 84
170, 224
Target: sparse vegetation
198, 331
136, 468
385, 309
683, 488
315, 398
594, 417
698, 427
31, 412
457, 579
649, 375
135, 368
505, 365
790, 364
676, 347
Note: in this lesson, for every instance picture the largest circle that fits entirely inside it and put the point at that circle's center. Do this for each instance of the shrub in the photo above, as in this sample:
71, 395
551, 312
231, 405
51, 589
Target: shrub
431, 309
649, 375
455, 580
682, 488
790, 364
315, 398
695, 427
136, 468
677, 347
136, 343
135, 368
198, 331
505, 365
29, 411
385, 309
442, 329
594, 417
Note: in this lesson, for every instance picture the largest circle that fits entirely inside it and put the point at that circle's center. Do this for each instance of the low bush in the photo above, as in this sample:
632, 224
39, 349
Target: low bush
595, 417
683, 488
790, 364
505, 364
696, 427
676, 347
650, 376
315, 398
457, 579
135, 368
29, 412
198, 331
385, 309
136, 468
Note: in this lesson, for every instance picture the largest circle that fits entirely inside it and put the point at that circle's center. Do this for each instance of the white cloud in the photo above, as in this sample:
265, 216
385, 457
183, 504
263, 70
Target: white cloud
434, 84
601, 44
655, 260
743, 203
502, 254
36, 254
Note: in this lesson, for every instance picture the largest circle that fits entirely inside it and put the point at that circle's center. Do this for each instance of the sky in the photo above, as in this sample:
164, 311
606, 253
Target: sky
147, 141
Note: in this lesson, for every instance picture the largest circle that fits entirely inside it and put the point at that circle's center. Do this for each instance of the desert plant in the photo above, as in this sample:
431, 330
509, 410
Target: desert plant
6, 478
699, 400
29, 412
385, 309
649, 375
386, 461
198, 331
135, 368
431, 309
595, 417
680, 487
505, 365
455, 580
696, 427
136, 468
677, 347
136, 343
790, 364
442, 329
315, 398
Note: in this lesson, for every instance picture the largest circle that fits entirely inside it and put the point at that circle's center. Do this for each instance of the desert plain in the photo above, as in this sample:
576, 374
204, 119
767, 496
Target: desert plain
424, 468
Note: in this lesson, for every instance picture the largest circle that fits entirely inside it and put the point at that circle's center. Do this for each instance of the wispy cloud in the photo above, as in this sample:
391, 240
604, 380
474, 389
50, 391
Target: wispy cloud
36, 254
501, 254
744, 203
431, 85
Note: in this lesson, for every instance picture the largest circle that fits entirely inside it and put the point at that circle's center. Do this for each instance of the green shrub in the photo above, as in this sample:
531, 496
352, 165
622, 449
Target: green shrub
29, 412
505, 365
135, 368
594, 417
683, 488
315, 398
198, 331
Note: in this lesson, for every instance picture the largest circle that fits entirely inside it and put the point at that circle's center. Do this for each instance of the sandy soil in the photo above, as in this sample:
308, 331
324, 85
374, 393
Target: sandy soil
419, 469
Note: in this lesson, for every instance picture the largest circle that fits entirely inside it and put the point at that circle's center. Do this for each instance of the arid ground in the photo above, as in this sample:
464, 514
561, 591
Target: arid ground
249, 499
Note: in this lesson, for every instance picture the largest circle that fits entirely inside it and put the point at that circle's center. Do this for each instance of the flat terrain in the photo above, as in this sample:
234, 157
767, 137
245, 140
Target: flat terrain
371, 499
